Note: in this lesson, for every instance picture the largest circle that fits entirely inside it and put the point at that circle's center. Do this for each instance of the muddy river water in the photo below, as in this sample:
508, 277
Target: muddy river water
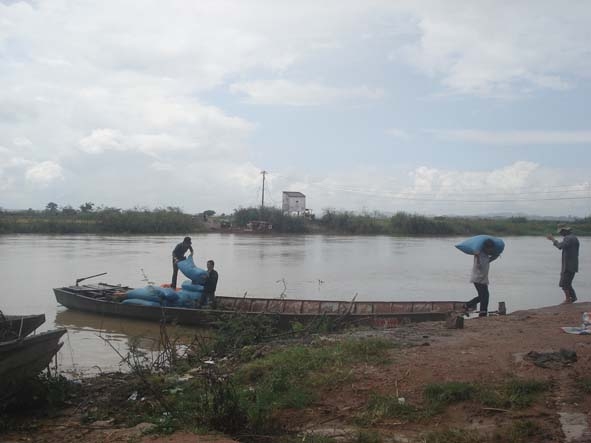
312, 267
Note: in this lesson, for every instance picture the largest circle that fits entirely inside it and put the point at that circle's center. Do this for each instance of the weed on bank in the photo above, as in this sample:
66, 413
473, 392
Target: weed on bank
238, 382
514, 394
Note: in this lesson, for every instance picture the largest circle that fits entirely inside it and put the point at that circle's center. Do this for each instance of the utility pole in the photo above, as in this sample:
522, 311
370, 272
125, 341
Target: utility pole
263, 196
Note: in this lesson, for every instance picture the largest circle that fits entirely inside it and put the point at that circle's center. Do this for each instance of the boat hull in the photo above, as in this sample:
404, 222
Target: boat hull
18, 326
97, 299
24, 358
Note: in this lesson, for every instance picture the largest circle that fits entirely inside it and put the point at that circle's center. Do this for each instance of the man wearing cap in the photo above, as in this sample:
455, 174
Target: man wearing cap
178, 254
570, 260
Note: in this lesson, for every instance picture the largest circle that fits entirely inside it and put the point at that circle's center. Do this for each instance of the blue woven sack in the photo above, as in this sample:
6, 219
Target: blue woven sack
187, 267
474, 244
149, 293
188, 299
140, 302
169, 295
191, 286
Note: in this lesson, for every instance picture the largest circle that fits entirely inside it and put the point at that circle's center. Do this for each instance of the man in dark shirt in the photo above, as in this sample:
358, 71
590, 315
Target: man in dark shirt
178, 254
570, 261
209, 284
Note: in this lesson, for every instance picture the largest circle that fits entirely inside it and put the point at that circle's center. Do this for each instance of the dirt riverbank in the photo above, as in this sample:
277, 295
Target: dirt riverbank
487, 352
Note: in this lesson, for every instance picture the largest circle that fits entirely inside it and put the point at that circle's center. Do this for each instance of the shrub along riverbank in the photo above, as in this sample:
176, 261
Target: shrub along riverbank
402, 223
88, 220
100, 221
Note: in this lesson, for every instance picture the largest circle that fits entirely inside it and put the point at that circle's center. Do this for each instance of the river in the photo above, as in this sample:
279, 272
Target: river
312, 267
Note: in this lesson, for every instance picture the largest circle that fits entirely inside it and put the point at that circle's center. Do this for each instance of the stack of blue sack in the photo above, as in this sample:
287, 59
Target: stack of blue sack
188, 297
152, 296
192, 290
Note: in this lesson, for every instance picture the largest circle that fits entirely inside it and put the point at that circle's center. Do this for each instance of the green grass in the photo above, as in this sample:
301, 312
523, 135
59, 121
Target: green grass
294, 376
515, 394
382, 407
300, 360
439, 395
584, 385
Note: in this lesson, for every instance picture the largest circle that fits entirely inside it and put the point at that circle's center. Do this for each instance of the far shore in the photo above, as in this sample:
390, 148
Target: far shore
272, 221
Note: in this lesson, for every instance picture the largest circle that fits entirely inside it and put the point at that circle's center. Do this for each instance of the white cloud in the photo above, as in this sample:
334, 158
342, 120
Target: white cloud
432, 183
285, 92
161, 166
22, 142
101, 140
491, 48
398, 133
516, 137
44, 173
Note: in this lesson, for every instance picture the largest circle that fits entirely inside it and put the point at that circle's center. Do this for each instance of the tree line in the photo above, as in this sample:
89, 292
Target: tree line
402, 223
90, 218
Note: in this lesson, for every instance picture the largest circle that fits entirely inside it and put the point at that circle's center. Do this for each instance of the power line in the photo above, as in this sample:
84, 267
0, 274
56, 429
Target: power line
397, 196
567, 192
484, 194
467, 192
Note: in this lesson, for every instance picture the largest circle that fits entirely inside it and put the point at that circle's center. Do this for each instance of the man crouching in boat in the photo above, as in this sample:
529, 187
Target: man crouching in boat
209, 284
178, 254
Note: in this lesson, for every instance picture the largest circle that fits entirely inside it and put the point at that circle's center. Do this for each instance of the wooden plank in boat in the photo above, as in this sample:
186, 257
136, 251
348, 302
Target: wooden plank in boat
275, 306
310, 307
443, 306
382, 307
243, 304
258, 305
292, 307
422, 307
401, 306
329, 307
363, 308
226, 302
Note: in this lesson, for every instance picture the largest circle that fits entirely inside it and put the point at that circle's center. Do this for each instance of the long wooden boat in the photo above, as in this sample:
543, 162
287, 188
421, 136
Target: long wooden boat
18, 326
23, 358
102, 299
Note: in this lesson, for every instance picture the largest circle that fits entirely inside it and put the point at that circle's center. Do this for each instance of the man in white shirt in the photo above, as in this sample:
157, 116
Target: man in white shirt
482, 260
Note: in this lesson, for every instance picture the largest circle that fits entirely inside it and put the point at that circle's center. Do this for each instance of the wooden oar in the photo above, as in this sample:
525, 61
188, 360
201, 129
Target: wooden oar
78, 280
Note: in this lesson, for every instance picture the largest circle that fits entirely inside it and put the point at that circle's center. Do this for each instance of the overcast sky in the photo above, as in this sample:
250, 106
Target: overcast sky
455, 107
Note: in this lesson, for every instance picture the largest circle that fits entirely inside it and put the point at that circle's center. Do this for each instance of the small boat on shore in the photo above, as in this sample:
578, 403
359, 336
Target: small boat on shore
23, 358
18, 326
105, 299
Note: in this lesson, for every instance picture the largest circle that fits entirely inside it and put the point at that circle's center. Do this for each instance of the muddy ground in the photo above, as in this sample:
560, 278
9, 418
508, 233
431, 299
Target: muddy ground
488, 350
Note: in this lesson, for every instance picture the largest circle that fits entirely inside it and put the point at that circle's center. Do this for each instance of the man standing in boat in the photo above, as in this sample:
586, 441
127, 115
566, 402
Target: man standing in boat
209, 284
178, 254
570, 261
